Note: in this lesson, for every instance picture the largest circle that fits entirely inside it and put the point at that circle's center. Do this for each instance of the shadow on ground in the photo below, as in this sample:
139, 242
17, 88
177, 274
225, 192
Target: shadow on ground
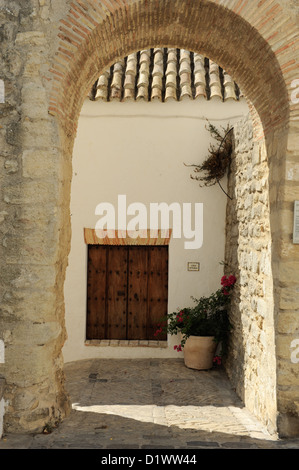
150, 404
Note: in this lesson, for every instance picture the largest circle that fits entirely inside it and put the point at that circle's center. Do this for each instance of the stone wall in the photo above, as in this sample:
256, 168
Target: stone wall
32, 315
251, 364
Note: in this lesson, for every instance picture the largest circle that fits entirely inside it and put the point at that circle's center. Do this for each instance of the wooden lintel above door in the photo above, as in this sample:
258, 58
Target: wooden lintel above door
127, 238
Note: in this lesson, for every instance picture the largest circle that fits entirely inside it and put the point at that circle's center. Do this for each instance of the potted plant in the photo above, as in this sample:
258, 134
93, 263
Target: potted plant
202, 327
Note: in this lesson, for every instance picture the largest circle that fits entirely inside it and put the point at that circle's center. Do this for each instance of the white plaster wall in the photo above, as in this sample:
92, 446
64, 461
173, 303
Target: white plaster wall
139, 150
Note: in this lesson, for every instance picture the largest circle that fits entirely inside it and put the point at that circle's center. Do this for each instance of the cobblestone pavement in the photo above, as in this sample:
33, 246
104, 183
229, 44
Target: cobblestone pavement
150, 404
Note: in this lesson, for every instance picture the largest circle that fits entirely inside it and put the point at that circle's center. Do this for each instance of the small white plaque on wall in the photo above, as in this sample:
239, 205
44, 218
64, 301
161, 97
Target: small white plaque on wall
296, 223
193, 266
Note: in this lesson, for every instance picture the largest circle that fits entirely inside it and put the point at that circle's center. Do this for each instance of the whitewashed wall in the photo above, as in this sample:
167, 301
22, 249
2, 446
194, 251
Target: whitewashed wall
139, 150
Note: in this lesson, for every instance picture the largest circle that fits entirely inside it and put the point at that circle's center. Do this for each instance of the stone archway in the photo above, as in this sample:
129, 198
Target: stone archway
253, 41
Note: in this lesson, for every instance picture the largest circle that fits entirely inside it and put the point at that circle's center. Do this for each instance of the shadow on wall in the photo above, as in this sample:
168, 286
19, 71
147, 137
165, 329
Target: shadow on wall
234, 368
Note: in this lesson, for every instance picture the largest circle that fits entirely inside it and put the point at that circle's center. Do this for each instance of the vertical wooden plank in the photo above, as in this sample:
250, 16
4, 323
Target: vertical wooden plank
157, 289
117, 292
96, 292
137, 292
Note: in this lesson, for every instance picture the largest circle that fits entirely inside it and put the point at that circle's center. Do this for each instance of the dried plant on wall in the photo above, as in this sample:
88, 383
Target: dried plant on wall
215, 166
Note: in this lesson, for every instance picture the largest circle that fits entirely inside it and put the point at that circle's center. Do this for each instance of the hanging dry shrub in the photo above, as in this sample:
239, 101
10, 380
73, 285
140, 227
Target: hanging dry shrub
214, 168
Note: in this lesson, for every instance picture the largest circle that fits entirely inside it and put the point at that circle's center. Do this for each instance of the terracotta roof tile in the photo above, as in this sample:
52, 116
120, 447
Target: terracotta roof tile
164, 74
215, 83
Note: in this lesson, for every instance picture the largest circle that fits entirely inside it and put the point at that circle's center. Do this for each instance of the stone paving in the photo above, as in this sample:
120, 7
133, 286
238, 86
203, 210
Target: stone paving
150, 404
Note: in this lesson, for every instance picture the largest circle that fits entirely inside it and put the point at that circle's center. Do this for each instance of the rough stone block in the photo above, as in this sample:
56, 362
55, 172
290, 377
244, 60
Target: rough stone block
289, 271
288, 323
34, 277
25, 400
284, 347
288, 425
286, 373
33, 192
39, 163
293, 142
31, 306
290, 192
33, 101
36, 134
289, 298
30, 365
31, 38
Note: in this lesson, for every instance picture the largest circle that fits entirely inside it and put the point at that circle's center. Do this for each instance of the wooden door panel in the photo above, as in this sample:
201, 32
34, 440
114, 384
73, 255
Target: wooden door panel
117, 292
137, 293
157, 288
96, 292
127, 291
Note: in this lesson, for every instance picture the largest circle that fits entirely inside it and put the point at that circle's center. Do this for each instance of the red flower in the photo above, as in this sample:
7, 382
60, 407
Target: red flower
217, 360
232, 280
178, 348
223, 280
180, 317
228, 281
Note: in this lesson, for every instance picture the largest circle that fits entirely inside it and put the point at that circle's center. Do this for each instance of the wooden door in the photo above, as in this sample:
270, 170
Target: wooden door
157, 288
138, 293
127, 291
96, 291
117, 292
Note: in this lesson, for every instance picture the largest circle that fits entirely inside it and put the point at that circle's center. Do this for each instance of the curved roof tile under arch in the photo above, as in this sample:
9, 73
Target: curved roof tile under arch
164, 74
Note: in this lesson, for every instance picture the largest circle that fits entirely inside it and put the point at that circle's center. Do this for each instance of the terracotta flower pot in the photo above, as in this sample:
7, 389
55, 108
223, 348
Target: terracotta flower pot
199, 352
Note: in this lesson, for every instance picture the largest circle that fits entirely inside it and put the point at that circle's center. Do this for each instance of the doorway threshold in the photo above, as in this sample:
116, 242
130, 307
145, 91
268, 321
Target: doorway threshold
126, 343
